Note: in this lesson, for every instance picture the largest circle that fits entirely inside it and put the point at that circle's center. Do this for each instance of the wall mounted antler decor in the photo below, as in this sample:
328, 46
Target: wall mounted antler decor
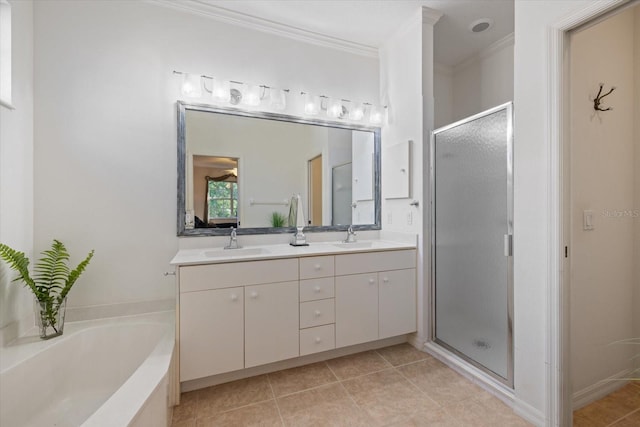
598, 99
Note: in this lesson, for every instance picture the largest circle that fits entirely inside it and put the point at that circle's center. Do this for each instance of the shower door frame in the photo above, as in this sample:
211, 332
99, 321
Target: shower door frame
508, 381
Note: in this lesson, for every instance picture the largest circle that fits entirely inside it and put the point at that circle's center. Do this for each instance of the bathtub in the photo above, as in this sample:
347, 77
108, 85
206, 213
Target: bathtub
107, 373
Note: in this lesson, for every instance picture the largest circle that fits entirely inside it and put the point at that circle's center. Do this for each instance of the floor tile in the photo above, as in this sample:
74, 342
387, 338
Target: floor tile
583, 422
596, 414
622, 401
402, 354
357, 364
187, 408
439, 382
438, 417
632, 420
387, 397
263, 414
225, 397
185, 423
301, 378
323, 406
486, 413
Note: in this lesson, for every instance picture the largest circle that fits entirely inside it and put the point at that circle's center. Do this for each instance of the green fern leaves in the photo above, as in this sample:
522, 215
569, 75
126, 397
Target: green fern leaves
52, 279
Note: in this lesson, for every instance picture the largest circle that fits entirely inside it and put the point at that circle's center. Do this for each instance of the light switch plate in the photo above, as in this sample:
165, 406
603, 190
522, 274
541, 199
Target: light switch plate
587, 220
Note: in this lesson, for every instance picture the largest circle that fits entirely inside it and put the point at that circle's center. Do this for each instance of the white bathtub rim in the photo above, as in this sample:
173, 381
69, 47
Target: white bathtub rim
30, 345
126, 403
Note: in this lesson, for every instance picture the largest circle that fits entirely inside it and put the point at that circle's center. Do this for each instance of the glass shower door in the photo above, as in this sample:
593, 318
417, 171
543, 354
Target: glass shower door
472, 230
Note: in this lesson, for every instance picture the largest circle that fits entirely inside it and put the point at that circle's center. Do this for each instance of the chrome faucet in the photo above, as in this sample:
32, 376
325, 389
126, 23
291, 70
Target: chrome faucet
351, 235
233, 240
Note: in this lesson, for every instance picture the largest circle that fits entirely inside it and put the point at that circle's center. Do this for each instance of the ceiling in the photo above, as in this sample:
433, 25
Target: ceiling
368, 23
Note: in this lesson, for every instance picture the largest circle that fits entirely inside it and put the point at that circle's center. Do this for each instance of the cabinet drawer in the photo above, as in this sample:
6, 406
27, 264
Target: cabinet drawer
315, 313
216, 276
314, 289
314, 340
316, 266
375, 261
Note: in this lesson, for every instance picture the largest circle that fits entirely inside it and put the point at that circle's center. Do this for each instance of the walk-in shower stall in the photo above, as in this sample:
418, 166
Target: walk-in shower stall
472, 240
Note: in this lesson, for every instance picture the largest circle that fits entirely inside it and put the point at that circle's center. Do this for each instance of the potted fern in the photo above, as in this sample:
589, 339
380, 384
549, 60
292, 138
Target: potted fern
50, 284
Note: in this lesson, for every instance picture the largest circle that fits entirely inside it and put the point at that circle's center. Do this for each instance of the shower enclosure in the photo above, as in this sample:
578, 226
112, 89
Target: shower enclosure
472, 240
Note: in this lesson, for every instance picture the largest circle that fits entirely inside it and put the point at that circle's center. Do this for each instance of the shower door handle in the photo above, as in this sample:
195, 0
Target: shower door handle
508, 245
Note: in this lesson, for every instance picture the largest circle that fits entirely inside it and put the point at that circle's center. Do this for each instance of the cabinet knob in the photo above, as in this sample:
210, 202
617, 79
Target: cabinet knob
254, 295
385, 280
318, 340
317, 266
317, 289
234, 297
317, 313
371, 281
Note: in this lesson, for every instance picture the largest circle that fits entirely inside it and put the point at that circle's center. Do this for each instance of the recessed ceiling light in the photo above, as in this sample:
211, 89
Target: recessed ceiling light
480, 25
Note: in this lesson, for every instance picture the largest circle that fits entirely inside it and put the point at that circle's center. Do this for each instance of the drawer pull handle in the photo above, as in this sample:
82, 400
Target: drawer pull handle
318, 340
234, 297
371, 281
317, 266
254, 295
317, 289
385, 280
317, 313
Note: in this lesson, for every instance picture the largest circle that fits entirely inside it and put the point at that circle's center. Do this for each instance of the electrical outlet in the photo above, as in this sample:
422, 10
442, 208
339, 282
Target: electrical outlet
389, 217
409, 218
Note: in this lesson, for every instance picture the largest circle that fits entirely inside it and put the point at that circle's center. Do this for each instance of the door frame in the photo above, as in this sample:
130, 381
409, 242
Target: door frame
558, 404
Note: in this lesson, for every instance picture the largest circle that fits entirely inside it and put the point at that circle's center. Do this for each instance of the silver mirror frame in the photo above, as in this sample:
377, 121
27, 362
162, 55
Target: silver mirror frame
183, 107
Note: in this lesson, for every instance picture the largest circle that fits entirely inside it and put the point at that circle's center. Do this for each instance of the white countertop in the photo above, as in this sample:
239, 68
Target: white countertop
250, 253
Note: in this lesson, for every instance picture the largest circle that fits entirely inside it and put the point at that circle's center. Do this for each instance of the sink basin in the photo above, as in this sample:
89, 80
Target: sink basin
354, 245
224, 253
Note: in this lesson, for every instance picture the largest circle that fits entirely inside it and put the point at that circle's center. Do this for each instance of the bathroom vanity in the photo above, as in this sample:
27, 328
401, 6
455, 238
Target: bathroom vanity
248, 307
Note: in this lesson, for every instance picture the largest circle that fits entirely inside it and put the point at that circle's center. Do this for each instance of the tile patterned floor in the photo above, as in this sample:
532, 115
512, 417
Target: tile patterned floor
393, 386
619, 409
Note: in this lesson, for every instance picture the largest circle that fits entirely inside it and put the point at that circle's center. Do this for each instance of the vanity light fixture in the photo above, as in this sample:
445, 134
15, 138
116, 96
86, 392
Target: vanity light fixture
191, 85
251, 94
375, 114
277, 99
221, 90
312, 104
356, 113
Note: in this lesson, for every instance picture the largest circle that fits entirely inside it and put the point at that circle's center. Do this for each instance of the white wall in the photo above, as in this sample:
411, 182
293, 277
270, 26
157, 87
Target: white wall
484, 80
531, 183
636, 197
16, 174
105, 134
602, 180
406, 86
443, 92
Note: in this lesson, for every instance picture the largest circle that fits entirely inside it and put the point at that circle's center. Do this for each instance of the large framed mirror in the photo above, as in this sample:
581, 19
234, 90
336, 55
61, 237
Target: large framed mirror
241, 169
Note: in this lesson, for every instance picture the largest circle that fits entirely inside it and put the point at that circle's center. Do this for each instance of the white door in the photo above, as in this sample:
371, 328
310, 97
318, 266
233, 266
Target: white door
356, 309
271, 323
211, 332
397, 296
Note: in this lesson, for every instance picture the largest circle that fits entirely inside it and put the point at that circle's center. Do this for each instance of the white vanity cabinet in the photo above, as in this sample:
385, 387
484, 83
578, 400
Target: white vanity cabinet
375, 296
271, 323
211, 329
237, 315
242, 314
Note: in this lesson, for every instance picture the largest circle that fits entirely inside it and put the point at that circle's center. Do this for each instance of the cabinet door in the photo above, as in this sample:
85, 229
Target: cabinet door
356, 309
397, 293
211, 332
271, 323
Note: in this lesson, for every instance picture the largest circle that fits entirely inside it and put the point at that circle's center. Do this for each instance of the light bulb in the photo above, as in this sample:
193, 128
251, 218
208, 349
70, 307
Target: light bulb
277, 99
221, 90
334, 108
375, 114
311, 104
251, 95
357, 111
191, 85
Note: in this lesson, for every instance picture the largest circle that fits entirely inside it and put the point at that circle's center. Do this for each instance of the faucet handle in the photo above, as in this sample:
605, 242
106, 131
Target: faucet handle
233, 232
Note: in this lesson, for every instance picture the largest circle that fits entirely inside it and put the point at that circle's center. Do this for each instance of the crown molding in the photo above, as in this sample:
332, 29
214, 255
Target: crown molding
494, 47
430, 16
264, 25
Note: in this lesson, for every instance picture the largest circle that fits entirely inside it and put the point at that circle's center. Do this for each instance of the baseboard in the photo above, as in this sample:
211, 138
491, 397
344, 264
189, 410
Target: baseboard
528, 412
600, 389
417, 341
286, 364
